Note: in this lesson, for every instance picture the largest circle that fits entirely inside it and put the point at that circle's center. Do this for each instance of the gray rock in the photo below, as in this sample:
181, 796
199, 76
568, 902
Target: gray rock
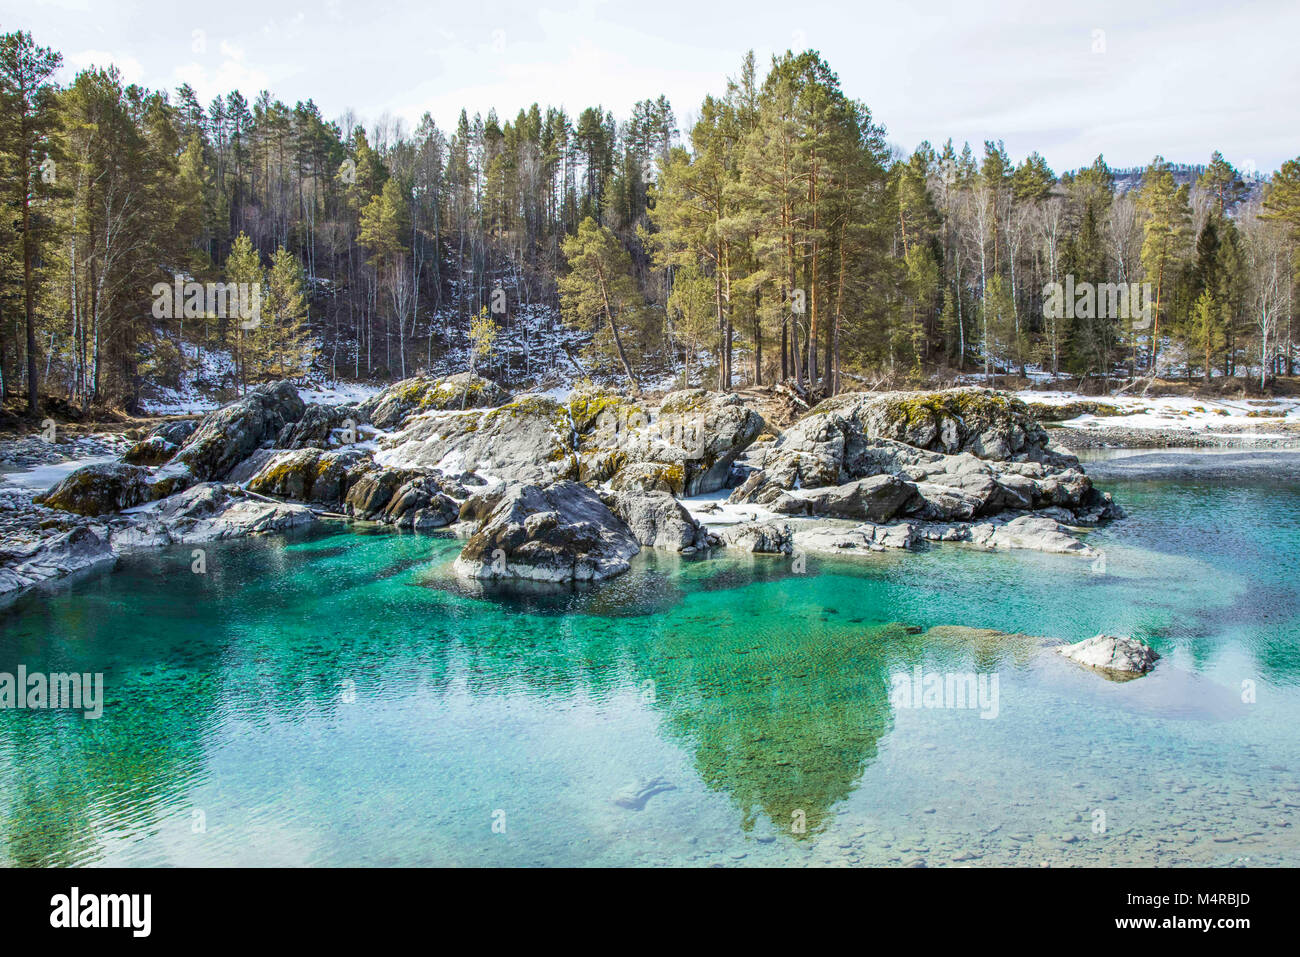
99, 489
420, 503
1122, 656
656, 519
175, 431
160, 443
865, 537
210, 512
770, 537
712, 429
529, 440
372, 491
1032, 532
969, 453
230, 434
560, 533
54, 557
317, 427
480, 503
394, 405
153, 450
308, 474
875, 499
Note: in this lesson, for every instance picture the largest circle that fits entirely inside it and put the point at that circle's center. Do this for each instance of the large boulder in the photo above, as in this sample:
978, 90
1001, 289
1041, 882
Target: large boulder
988, 424
230, 434
160, 443
420, 503
968, 454
99, 489
875, 499
560, 533
209, 512
657, 520
702, 433
1035, 532
320, 427
372, 490
53, 557
529, 440
686, 446
309, 475
401, 400
865, 537
776, 538
1116, 657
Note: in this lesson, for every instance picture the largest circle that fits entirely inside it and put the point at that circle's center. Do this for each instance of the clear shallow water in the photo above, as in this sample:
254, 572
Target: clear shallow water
342, 700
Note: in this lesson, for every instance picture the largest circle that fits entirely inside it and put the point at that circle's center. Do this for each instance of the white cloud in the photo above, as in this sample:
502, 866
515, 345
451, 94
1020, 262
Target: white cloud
128, 66
1178, 77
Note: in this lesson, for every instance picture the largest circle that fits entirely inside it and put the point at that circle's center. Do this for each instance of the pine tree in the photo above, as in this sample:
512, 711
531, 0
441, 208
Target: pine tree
1165, 234
600, 288
28, 119
243, 267
279, 342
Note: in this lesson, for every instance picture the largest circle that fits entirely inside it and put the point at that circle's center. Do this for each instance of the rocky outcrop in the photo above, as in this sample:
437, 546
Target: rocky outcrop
987, 424
480, 503
529, 440
649, 477
62, 554
687, 446
774, 538
865, 537
320, 427
309, 475
1116, 657
161, 443
657, 520
397, 403
229, 435
560, 533
875, 499
374, 489
210, 512
420, 503
100, 489
964, 454
1033, 532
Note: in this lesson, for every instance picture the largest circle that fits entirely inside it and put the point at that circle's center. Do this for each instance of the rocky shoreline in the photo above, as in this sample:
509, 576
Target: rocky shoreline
1280, 436
569, 491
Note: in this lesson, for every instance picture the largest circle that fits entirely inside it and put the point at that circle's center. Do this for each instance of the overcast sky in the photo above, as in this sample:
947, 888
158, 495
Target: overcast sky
1130, 79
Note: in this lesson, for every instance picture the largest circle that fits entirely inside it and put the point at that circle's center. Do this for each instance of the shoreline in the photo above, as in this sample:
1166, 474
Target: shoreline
1078, 438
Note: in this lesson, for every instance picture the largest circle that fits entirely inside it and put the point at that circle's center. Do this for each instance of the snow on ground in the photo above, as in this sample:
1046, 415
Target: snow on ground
713, 509
43, 477
1182, 413
338, 393
201, 375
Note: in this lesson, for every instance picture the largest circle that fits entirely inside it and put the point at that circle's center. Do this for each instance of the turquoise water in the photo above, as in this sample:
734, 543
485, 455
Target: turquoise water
341, 700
